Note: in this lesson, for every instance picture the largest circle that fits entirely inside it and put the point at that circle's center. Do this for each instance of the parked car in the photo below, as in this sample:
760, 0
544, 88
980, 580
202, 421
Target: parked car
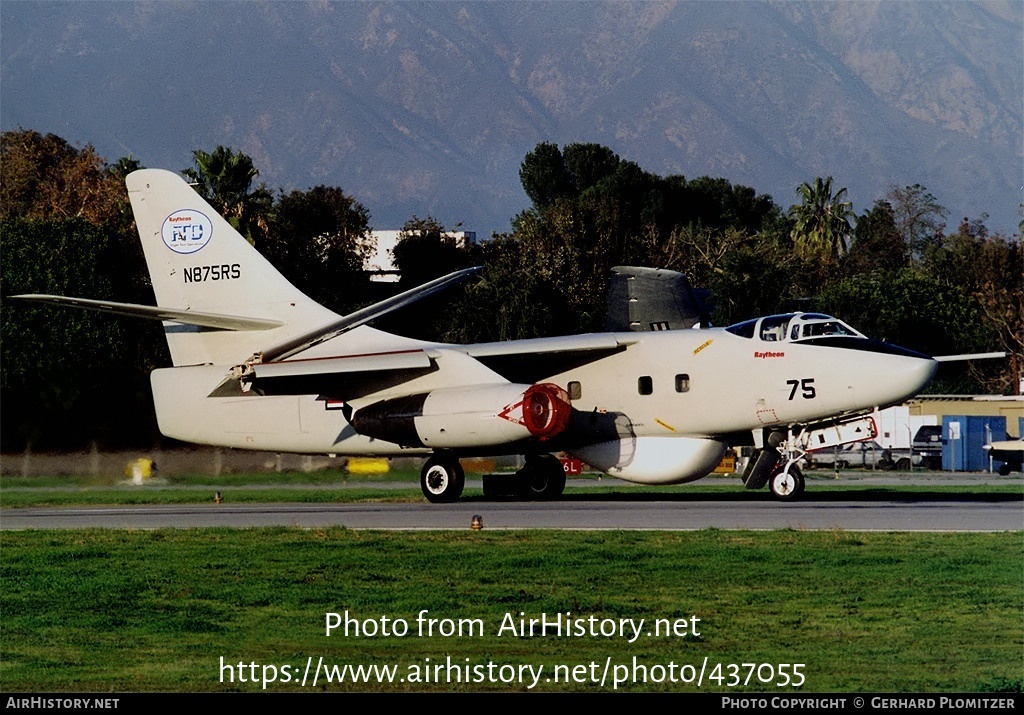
927, 446
863, 454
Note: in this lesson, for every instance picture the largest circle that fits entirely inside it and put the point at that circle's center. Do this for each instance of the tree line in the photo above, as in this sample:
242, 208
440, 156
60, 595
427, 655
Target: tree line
897, 272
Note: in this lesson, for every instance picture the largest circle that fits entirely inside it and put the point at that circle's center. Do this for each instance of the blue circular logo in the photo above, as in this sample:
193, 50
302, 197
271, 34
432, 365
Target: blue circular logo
186, 231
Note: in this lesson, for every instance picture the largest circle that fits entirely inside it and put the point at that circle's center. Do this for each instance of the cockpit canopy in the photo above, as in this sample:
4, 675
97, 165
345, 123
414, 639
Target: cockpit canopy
793, 328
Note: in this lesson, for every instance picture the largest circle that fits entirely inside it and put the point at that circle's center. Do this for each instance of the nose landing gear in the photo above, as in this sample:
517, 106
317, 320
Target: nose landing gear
787, 485
777, 469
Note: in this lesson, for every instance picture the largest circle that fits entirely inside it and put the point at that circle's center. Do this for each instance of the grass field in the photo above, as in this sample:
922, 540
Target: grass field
147, 611
106, 610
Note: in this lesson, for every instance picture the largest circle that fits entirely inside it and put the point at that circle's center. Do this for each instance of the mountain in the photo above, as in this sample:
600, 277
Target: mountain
428, 108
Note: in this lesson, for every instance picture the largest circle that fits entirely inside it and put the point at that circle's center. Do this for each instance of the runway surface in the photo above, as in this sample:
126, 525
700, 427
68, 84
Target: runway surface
853, 511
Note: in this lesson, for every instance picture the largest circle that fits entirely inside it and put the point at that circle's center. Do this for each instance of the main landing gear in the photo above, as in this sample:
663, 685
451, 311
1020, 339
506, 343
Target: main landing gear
542, 477
442, 479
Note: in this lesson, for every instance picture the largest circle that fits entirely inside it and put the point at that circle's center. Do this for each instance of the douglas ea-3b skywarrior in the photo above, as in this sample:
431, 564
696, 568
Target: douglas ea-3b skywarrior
258, 365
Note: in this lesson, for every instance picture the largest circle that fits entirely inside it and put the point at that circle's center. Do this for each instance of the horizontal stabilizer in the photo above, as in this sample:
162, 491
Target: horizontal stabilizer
152, 312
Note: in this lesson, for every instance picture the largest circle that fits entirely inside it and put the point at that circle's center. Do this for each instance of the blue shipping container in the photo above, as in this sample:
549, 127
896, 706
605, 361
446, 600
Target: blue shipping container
963, 437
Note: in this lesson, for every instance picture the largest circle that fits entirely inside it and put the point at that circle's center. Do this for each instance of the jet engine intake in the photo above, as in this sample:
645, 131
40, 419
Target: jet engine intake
467, 417
545, 410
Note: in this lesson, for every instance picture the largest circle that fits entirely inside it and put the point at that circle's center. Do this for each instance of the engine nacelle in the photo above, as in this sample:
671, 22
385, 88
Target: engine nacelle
467, 417
654, 460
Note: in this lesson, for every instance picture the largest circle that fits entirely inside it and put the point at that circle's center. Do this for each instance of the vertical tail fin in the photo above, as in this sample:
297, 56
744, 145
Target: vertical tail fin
199, 262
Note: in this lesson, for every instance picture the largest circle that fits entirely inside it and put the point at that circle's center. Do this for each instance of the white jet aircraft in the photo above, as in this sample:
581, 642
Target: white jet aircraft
259, 365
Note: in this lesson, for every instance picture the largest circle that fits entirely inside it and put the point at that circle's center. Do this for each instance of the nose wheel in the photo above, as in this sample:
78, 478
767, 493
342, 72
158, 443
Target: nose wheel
787, 485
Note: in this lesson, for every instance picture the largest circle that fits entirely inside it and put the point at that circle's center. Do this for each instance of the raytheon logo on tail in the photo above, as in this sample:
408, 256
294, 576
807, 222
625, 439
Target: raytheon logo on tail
186, 231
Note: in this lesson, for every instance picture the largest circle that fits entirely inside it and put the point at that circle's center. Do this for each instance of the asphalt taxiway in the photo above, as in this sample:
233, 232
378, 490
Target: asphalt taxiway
920, 509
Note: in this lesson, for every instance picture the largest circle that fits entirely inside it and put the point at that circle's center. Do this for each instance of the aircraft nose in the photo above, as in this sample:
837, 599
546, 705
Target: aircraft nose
914, 374
900, 371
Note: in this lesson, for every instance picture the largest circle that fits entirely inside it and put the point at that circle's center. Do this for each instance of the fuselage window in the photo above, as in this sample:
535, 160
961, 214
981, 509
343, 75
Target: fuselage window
575, 390
645, 385
682, 383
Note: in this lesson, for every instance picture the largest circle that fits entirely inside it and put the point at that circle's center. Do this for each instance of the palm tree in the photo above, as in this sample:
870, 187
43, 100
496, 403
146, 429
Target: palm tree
224, 177
124, 166
822, 221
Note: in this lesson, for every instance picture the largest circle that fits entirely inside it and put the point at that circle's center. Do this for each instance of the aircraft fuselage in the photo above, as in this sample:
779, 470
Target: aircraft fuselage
659, 386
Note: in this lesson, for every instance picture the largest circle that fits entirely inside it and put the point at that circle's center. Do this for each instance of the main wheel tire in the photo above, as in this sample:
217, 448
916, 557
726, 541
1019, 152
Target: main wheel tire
903, 464
542, 478
787, 486
442, 480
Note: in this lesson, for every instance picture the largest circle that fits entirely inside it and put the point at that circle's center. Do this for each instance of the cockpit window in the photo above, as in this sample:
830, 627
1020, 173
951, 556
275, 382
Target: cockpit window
829, 327
775, 327
793, 327
744, 329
